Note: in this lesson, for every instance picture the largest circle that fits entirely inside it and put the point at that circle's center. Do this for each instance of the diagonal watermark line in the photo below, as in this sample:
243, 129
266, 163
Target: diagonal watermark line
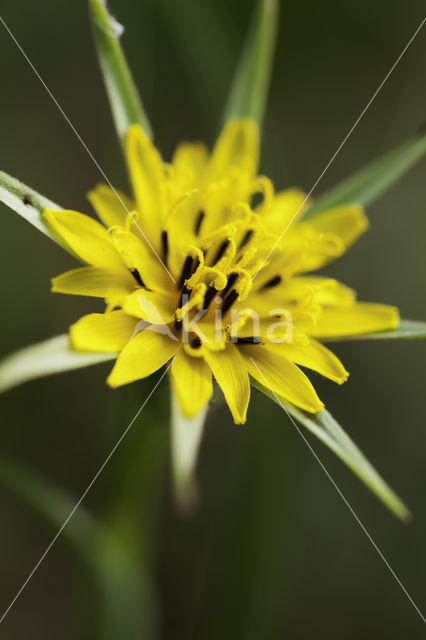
83, 143
341, 494
345, 139
83, 495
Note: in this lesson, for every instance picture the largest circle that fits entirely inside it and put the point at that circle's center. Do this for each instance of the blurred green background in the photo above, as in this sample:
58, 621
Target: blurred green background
273, 552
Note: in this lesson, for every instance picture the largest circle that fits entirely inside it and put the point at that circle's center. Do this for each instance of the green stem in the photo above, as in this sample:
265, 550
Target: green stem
136, 473
244, 593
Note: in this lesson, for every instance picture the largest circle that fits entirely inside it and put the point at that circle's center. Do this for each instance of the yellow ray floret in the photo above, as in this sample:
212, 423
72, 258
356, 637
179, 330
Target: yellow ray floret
191, 272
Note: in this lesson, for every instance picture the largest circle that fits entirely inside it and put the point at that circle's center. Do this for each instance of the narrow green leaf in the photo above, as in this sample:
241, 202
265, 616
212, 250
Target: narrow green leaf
369, 183
407, 330
50, 503
125, 102
251, 82
43, 359
326, 429
186, 438
122, 594
26, 202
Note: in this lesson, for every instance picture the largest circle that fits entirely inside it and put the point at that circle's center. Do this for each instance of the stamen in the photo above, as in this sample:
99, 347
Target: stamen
195, 342
248, 340
165, 245
186, 271
246, 238
223, 247
137, 276
195, 265
231, 281
229, 301
184, 296
272, 282
210, 294
199, 222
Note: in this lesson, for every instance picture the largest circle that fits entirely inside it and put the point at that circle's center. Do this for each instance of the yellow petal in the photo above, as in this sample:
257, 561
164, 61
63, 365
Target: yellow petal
348, 222
192, 382
237, 146
305, 249
87, 238
284, 378
326, 291
152, 306
92, 281
301, 249
362, 317
310, 245
189, 162
181, 228
230, 371
282, 212
315, 356
147, 177
298, 291
111, 205
103, 332
137, 254
264, 329
144, 354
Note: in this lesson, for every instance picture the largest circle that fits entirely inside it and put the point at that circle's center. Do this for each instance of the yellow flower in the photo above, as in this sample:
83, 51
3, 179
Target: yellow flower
192, 270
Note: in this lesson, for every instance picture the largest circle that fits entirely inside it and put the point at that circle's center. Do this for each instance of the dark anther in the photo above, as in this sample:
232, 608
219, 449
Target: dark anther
27, 200
210, 294
223, 247
178, 324
231, 281
165, 245
195, 342
199, 222
246, 238
251, 340
186, 271
272, 282
137, 276
229, 300
184, 296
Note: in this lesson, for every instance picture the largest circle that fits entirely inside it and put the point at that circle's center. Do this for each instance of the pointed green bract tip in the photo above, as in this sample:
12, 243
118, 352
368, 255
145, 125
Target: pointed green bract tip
126, 105
329, 432
105, 20
371, 181
249, 90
